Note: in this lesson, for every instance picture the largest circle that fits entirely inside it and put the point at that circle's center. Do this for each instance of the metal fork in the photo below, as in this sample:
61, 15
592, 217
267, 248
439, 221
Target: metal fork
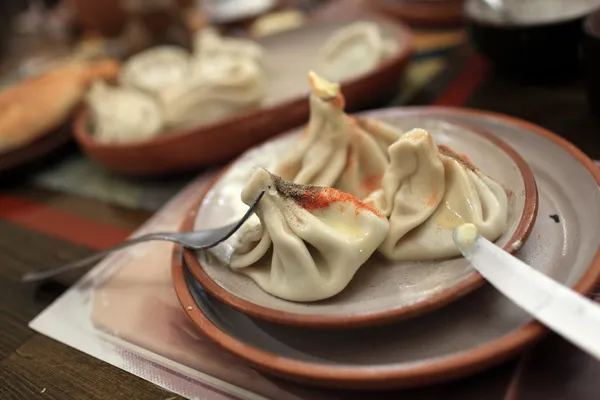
197, 240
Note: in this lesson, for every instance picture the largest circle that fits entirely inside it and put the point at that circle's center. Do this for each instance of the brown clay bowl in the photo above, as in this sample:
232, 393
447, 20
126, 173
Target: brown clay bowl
373, 296
442, 12
471, 334
286, 107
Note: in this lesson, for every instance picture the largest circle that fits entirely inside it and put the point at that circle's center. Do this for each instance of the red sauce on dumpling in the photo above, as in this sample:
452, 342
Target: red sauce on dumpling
371, 183
313, 200
461, 158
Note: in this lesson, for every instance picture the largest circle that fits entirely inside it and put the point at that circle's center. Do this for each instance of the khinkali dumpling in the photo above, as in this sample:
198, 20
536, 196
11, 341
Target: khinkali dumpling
235, 87
337, 150
353, 50
210, 45
310, 240
426, 192
122, 115
157, 68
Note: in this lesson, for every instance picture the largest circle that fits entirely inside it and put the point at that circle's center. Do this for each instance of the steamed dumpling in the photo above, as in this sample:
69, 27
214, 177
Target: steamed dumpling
337, 150
233, 88
354, 50
210, 45
426, 192
310, 240
156, 69
122, 115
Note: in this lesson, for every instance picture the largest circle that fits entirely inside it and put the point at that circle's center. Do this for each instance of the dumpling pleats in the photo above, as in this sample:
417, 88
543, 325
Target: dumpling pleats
302, 254
426, 193
320, 154
337, 150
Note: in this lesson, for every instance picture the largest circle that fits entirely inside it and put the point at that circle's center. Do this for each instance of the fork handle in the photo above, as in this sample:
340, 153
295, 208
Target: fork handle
40, 275
201, 240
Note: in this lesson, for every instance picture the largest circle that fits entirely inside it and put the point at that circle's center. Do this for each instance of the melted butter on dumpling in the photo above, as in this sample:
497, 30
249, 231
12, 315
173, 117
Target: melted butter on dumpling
427, 191
310, 240
471, 197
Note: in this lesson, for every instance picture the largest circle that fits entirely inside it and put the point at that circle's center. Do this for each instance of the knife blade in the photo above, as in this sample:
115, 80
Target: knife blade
566, 312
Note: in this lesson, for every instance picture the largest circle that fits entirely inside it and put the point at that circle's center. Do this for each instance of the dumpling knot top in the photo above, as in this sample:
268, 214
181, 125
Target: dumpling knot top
429, 190
337, 150
310, 241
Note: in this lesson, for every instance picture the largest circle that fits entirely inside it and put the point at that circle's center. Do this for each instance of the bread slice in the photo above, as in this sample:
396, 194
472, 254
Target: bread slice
41, 104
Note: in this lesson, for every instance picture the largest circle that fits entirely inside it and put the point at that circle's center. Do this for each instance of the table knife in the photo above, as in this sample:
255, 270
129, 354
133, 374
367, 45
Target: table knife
566, 312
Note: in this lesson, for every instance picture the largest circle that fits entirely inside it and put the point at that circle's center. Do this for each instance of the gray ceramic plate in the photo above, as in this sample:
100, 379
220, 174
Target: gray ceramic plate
471, 334
382, 290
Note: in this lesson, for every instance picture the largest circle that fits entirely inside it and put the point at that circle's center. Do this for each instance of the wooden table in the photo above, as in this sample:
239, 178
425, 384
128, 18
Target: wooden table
40, 228
29, 238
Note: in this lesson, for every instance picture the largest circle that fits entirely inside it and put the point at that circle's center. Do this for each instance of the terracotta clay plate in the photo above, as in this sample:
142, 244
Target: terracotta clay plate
382, 290
471, 334
14, 160
425, 12
289, 56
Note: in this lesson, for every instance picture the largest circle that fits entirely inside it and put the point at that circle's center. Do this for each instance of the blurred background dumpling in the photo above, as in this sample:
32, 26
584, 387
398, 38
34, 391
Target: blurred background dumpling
353, 50
156, 69
122, 115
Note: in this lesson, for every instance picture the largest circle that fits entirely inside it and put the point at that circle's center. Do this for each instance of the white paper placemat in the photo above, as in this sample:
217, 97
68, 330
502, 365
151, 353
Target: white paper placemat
126, 313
